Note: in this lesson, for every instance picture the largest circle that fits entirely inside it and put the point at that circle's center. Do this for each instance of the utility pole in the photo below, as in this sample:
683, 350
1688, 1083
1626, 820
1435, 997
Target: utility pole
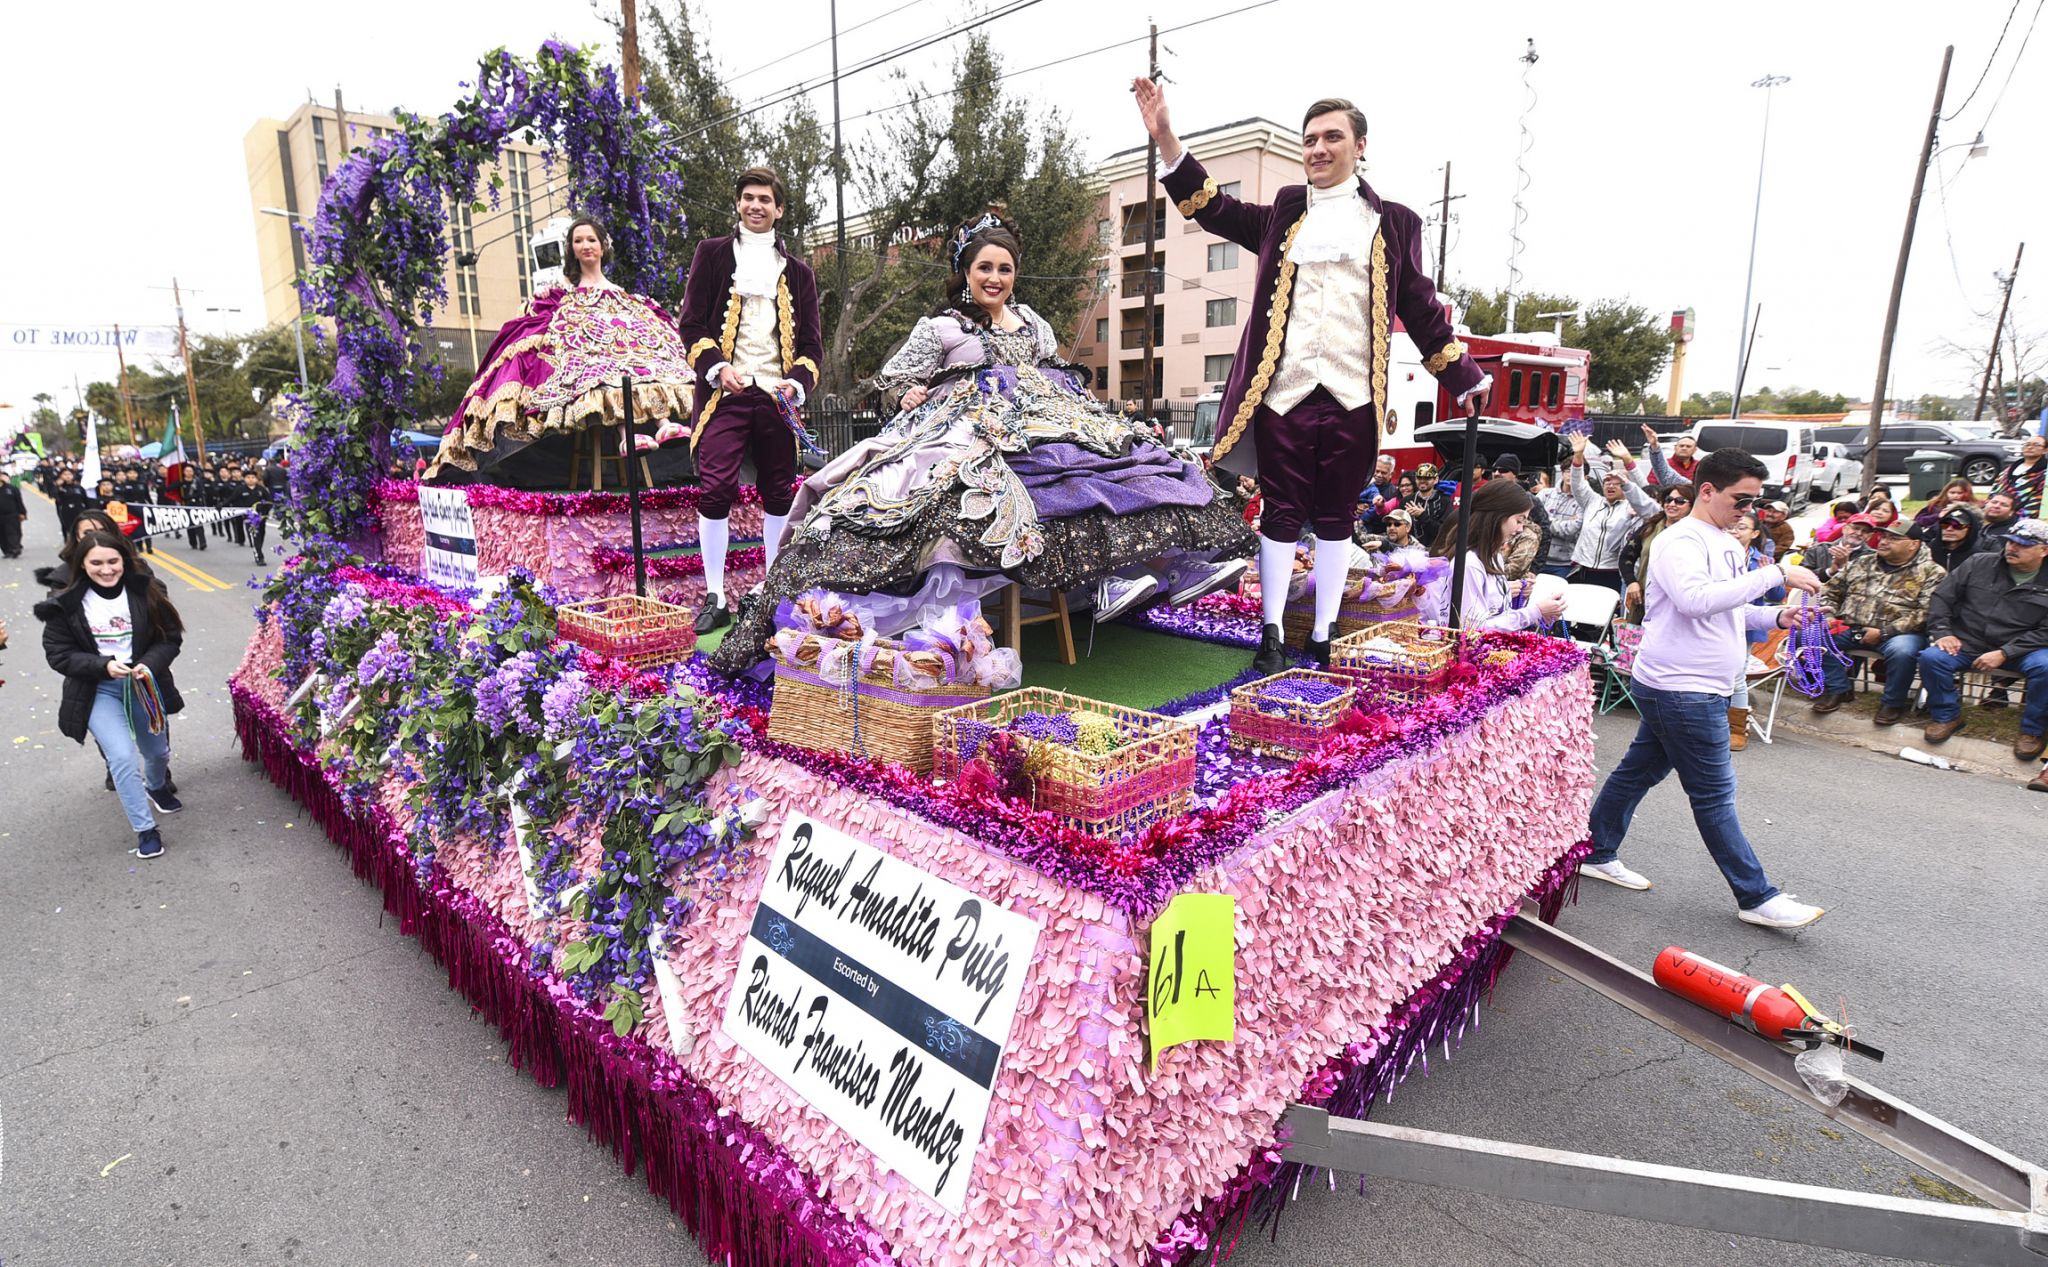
192, 388
1891, 315
839, 177
1152, 273
1742, 365
629, 48
340, 128
1756, 219
1443, 228
1997, 332
128, 417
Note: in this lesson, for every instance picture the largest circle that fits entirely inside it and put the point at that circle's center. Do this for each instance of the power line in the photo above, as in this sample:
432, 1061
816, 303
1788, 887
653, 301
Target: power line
1950, 118
733, 79
2016, 57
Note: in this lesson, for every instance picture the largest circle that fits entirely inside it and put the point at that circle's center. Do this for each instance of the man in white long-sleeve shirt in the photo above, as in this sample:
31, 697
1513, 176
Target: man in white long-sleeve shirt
1694, 645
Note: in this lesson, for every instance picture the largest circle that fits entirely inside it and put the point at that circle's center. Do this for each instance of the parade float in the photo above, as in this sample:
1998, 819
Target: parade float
871, 962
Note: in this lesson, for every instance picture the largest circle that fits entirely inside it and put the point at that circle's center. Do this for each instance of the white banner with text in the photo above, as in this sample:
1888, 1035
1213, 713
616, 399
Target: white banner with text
450, 555
884, 996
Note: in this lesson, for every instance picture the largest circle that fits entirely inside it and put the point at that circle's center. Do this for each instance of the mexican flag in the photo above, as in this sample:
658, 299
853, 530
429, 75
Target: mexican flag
172, 451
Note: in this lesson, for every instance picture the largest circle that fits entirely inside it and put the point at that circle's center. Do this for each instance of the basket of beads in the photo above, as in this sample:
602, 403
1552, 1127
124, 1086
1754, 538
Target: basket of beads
1288, 714
642, 632
1400, 662
838, 688
1104, 768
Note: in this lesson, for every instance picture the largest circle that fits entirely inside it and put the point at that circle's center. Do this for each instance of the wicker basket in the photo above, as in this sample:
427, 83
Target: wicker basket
643, 632
1262, 722
871, 715
1355, 614
1149, 775
1396, 663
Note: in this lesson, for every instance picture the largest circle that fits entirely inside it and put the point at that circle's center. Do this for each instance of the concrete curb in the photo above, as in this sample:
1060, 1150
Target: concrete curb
1973, 756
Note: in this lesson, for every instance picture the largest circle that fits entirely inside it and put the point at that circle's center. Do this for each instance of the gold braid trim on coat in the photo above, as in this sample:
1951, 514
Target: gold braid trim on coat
1276, 335
1380, 329
1444, 357
727, 339
785, 322
1199, 199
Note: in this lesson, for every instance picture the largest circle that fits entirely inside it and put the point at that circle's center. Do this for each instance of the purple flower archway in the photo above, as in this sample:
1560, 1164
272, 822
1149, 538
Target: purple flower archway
379, 246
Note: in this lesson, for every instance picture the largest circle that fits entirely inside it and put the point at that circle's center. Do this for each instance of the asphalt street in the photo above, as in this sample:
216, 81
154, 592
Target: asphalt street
227, 1056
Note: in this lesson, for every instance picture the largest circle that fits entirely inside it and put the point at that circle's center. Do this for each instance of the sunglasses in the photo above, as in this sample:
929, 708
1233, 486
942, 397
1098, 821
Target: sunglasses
1678, 501
1743, 501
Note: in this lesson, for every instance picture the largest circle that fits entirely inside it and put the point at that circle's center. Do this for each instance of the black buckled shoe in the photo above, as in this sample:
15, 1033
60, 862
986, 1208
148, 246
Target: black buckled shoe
714, 614
1319, 651
1272, 654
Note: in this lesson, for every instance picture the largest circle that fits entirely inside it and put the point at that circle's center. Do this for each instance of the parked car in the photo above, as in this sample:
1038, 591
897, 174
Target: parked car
1833, 472
1982, 459
1785, 449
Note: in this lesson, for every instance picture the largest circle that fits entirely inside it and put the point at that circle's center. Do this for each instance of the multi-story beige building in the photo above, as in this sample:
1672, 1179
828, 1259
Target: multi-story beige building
289, 162
1204, 284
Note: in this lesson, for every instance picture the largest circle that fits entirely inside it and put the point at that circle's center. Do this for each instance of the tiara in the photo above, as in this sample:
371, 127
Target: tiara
989, 220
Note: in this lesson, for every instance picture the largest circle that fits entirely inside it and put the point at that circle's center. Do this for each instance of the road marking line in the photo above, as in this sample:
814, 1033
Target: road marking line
197, 571
183, 572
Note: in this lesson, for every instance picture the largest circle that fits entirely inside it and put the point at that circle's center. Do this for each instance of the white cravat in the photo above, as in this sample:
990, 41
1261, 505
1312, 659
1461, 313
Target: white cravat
1339, 226
757, 265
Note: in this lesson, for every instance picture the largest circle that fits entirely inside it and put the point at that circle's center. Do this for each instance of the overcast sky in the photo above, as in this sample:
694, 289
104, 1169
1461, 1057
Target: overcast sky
121, 128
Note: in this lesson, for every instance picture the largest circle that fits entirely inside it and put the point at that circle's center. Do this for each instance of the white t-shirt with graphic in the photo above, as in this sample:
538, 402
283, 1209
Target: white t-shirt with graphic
108, 619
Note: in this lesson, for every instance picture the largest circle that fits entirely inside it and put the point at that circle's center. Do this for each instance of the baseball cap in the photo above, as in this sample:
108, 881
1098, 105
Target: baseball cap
1781, 507
2026, 532
1427, 471
1963, 517
1898, 528
1868, 521
1401, 515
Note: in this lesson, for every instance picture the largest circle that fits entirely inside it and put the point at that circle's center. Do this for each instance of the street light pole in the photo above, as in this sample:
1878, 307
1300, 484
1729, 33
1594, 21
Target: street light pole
1767, 83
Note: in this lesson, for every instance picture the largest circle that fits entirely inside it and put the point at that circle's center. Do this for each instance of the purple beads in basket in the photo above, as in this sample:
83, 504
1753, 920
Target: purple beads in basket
1307, 691
972, 735
1056, 728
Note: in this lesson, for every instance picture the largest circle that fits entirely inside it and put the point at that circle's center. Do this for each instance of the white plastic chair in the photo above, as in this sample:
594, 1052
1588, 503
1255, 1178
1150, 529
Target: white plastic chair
1592, 606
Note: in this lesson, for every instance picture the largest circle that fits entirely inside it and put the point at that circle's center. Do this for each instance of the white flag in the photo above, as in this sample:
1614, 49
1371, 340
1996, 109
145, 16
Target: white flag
89, 474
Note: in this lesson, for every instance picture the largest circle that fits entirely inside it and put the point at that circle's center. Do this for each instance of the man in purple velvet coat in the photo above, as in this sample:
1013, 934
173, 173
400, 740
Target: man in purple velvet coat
1302, 407
750, 322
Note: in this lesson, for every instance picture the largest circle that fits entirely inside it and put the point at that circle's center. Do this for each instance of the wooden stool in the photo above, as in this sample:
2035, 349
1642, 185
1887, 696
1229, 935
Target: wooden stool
1013, 620
599, 436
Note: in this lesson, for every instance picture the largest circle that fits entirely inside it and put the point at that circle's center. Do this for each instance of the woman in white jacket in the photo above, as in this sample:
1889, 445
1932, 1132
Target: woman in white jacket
1491, 600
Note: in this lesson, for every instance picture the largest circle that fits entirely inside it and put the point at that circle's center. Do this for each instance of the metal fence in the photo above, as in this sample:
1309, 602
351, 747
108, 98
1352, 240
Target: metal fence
838, 429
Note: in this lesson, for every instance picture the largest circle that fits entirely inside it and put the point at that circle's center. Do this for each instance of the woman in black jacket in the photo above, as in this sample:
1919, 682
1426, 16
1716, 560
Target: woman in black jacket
113, 634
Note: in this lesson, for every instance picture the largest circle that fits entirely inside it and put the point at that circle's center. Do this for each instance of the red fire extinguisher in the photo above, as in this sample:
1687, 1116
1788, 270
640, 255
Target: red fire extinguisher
1780, 1014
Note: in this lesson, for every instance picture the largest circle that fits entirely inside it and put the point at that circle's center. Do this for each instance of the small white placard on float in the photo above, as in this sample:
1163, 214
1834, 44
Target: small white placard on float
884, 995
449, 555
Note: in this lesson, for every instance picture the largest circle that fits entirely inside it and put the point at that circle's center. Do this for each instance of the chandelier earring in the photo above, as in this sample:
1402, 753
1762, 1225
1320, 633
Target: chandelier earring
966, 295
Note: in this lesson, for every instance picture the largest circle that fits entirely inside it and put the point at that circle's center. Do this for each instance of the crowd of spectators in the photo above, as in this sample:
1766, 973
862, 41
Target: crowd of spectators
1956, 587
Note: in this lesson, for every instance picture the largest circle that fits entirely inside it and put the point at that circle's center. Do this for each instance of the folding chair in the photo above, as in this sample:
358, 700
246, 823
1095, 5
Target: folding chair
1618, 658
1771, 653
1592, 606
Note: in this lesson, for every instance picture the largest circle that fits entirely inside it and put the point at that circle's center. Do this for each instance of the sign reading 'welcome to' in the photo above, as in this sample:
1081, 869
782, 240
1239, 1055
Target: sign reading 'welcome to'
884, 996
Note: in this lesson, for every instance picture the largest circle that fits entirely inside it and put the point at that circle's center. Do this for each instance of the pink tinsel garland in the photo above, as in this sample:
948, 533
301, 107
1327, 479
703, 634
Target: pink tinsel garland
610, 560
557, 505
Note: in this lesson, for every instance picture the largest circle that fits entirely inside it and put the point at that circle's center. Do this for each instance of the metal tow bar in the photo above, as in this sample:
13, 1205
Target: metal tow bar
2013, 1233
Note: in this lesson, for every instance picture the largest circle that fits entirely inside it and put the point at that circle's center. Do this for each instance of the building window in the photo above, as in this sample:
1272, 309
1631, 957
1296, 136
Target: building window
1101, 280
1102, 329
1102, 378
465, 274
1556, 388
1515, 390
1102, 229
522, 220
1216, 369
1221, 312
1234, 189
320, 147
1222, 256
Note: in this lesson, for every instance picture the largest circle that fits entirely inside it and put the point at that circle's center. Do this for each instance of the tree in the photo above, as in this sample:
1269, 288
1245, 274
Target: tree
1712, 405
1628, 343
929, 170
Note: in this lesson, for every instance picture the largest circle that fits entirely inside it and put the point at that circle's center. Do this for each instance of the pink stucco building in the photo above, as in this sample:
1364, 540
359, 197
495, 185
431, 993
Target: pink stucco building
1204, 283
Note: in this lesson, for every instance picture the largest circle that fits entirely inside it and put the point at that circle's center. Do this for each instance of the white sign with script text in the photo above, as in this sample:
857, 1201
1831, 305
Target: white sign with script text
884, 996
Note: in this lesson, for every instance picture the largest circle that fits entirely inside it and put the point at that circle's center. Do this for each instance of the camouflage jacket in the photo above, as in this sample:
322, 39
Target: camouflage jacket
1868, 594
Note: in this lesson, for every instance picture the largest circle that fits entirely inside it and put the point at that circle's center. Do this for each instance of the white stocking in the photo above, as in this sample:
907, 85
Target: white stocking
771, 535
712, 535
1276, 573
1333, 572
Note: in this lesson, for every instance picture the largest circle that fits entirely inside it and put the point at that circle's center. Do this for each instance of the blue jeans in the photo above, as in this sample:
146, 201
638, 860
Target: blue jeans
1901, 653
1938, 671
1686, 731
137, 759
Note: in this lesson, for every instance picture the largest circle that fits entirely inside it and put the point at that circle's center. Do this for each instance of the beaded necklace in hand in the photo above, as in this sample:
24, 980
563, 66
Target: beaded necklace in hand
1807, 647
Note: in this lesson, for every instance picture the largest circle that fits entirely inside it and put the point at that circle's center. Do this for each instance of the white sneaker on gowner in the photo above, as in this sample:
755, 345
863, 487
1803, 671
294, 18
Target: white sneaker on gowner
1614, 873
1783, 911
